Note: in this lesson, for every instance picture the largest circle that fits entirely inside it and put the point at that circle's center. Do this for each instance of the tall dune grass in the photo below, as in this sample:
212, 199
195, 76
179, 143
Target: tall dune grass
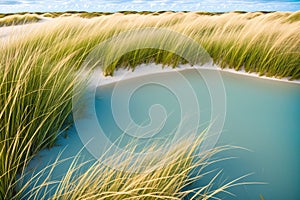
18, 19
38, 70
157, 176
265, 43
35, 101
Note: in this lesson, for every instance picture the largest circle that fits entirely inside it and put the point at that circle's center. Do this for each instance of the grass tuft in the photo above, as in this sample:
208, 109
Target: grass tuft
157, 176
294, 17
18, 19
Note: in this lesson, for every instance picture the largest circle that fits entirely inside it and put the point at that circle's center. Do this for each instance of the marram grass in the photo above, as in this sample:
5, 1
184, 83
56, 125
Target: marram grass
267, 44
164, 175
38, 71
35, 102
18, 19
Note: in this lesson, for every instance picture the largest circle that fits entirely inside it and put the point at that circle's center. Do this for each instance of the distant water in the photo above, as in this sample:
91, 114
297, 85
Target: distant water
140, 5
262, 116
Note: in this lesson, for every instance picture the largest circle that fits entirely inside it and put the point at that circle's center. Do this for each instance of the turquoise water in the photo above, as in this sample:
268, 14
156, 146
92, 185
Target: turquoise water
261, 115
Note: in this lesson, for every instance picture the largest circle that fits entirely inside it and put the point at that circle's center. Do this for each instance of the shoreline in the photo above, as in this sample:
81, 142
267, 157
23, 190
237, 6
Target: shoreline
9, 33
148, 69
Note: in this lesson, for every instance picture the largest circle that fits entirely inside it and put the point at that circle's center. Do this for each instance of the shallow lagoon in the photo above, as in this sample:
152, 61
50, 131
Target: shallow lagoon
262, 116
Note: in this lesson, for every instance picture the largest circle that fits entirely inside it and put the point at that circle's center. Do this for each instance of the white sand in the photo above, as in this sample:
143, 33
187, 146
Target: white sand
9, 32
146, 69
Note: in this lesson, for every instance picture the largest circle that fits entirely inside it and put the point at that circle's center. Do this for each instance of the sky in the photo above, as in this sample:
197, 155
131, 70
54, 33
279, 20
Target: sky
8, 6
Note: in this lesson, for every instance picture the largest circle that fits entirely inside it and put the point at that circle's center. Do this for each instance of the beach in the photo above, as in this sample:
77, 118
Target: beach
76, 83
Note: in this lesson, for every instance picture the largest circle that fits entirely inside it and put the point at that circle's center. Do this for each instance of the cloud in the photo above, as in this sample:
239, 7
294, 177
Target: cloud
9, 2
177, 5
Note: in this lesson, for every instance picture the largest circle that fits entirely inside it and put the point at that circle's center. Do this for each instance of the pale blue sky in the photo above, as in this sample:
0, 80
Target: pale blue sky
154, 5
